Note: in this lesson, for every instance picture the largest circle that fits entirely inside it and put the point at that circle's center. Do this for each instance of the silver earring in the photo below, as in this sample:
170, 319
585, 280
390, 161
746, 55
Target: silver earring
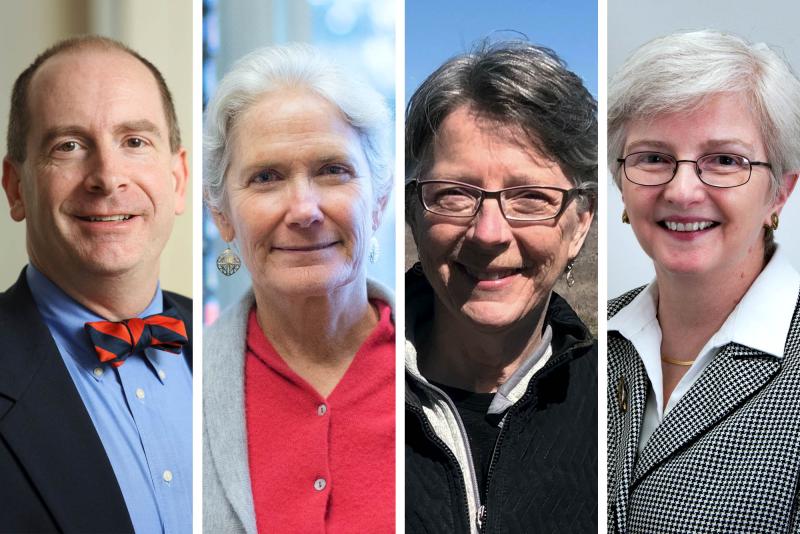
228, 262
569, 277
374, 250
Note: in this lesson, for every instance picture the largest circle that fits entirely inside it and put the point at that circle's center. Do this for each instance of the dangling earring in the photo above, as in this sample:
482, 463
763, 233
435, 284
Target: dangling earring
374, 250
625, 219
228, 262
569, 277
417, 267
774, 219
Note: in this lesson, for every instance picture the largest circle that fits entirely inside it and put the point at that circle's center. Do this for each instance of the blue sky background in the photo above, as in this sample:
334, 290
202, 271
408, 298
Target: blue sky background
439, 29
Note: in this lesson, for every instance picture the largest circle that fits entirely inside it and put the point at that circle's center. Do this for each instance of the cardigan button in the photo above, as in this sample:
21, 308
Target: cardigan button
322, 409
320, 484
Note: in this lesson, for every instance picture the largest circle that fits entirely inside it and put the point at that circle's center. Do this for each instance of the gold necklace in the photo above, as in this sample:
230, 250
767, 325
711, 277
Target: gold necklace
683, 363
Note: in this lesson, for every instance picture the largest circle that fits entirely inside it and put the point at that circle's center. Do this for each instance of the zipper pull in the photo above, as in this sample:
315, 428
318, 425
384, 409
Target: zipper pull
481, 516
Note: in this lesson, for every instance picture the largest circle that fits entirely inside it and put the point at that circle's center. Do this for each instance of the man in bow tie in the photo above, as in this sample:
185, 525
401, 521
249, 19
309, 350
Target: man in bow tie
95, 364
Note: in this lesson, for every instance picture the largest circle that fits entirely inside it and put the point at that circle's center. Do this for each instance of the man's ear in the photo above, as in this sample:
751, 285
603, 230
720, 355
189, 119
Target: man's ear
13, 188
180, 175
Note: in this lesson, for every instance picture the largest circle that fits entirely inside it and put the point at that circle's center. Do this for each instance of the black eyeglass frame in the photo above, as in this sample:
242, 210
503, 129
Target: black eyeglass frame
568, 195
698, 172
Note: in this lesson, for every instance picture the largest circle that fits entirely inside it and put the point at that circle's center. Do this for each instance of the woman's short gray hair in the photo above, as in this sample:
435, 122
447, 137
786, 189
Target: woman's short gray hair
679, 72
517, 84
276, 68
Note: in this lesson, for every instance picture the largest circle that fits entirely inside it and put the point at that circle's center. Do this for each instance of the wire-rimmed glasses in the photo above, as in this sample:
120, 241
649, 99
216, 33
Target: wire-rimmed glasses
717, 170
519, 203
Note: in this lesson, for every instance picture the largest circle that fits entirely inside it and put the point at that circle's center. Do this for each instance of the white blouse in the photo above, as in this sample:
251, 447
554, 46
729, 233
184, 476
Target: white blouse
760, 321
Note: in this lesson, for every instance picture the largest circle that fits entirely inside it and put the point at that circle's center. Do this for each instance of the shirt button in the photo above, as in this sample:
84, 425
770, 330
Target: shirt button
139, 393
167, 476
98, 372
322, 409
161, 374
320, 484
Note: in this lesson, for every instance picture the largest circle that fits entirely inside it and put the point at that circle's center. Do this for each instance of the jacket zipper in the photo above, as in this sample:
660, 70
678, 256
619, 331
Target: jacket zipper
482, 511
443, 446
462, 431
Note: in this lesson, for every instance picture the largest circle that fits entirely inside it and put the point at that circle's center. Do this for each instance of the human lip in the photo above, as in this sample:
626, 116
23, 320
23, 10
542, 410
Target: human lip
491, 274
687, 224
98, 218
305, 248
492, 278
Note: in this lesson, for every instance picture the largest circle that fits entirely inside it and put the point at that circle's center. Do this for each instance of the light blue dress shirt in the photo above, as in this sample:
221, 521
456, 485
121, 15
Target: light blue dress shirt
142, 411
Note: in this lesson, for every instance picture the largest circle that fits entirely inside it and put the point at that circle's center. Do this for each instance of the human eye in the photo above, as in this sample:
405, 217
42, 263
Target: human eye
452, 198
335, 169
266, 176
722, 163
135, 142
68, 146
335, 173
528, 201
530, 195
67, 149
649, 160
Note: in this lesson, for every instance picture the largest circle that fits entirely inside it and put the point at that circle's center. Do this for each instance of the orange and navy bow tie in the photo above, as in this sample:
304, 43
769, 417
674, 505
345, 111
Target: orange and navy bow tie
115, 341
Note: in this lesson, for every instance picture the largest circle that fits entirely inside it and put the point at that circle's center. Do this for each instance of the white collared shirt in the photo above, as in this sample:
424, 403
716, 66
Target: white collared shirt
760, 321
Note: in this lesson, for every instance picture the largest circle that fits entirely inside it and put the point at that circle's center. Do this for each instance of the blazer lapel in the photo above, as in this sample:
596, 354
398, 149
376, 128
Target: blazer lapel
734, 376
629, 394
224, 409
47, 427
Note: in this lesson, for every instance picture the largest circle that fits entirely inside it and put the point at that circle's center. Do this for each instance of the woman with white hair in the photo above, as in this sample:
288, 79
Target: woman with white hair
298, 386
704, 362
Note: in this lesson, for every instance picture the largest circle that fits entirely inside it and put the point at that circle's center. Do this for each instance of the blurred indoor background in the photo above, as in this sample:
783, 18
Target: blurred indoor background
357, 34
159, 31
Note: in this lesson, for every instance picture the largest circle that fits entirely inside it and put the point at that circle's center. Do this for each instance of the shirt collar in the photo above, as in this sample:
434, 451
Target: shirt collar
760, 321
638, 314
65, 317
762, 318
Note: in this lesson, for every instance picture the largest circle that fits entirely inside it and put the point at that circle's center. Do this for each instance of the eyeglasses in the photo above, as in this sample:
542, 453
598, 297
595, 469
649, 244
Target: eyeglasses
716, 170
520, 203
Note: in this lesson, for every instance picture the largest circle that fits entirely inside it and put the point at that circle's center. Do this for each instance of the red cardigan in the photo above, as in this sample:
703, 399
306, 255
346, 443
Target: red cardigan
316, 464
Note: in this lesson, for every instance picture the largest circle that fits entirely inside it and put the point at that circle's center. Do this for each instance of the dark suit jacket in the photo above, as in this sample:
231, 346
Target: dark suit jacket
54, 473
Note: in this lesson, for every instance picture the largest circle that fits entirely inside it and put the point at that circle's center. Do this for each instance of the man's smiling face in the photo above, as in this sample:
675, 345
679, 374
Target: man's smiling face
99, 188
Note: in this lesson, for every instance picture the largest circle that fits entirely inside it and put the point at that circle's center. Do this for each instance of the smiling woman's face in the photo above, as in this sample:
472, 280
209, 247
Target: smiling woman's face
729, 240
299, 196
486, 269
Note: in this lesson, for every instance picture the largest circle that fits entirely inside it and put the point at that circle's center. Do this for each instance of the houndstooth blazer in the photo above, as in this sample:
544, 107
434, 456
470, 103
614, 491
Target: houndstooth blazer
726, 458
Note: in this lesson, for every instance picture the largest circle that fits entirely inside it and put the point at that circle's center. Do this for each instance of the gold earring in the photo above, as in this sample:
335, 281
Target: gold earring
228, 262
625, 219
774, 219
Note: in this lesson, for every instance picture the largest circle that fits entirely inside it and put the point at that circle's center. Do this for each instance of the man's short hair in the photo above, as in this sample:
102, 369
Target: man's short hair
19, 116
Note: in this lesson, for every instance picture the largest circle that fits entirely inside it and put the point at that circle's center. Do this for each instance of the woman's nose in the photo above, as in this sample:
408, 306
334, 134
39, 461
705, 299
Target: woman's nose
489, 227
685, 188
303, 207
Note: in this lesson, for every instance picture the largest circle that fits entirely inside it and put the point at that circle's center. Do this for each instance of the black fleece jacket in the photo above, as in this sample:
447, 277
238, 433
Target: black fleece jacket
543, 476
